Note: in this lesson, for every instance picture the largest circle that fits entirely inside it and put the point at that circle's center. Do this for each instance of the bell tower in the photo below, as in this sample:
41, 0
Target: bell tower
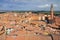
51, 12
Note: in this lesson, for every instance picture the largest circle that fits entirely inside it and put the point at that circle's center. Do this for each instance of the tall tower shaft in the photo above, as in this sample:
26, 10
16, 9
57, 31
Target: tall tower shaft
51, 12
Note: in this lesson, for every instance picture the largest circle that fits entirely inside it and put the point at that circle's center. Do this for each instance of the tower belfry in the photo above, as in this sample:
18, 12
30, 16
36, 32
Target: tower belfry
51, 12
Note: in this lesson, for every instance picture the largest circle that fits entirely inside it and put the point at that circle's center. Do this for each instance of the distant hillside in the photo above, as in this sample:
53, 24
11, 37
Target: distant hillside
45, 12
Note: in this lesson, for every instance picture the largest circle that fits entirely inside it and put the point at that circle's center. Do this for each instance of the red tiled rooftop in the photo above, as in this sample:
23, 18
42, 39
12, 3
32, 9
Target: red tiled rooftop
26, 25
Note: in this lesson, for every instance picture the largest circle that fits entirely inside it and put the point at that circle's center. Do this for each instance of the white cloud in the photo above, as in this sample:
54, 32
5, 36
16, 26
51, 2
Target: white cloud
43, 6
47, 5
55, 5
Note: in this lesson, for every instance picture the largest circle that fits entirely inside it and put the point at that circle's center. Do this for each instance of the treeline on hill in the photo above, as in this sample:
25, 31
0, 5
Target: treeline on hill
2, 12
37, 12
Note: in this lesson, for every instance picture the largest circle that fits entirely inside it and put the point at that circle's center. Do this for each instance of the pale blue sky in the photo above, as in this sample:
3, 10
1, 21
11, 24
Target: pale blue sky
29, 4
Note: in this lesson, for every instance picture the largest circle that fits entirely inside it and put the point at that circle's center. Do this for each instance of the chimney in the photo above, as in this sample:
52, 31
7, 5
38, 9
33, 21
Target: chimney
51, 12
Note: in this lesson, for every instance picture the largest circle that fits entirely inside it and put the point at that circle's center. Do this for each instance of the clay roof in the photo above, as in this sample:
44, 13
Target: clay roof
57, 20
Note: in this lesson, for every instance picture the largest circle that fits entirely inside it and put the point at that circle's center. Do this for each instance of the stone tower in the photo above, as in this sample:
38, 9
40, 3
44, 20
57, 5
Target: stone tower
51, 12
